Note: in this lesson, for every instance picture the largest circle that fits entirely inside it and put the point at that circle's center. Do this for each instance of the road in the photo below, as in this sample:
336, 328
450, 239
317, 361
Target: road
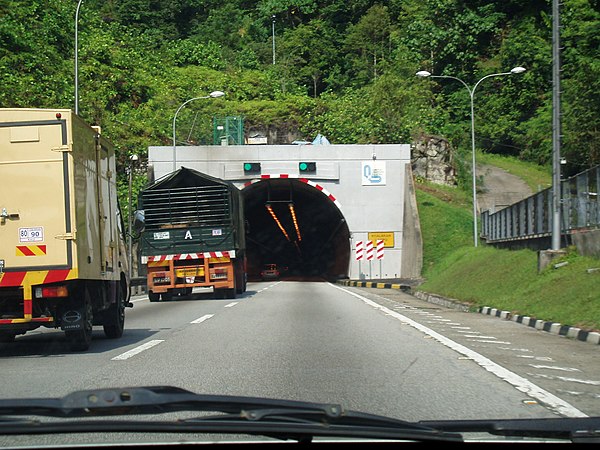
499, 188
375, 350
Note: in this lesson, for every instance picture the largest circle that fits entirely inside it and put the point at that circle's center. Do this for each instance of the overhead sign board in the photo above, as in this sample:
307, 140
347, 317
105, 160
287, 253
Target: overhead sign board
386, 236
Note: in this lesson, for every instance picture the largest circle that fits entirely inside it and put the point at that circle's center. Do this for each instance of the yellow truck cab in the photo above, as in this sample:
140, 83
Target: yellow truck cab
63, 261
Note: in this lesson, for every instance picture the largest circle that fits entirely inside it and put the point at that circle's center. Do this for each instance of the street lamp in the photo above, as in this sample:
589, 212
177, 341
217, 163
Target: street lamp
273, 33
425, 74
213, 94
76, 57
132, 159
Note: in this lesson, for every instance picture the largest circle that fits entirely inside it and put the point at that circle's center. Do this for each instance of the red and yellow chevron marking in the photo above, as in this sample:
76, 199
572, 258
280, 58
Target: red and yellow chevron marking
30, 250
26, 280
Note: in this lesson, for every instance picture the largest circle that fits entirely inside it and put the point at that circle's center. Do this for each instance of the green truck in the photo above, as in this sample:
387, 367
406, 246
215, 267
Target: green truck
193, 235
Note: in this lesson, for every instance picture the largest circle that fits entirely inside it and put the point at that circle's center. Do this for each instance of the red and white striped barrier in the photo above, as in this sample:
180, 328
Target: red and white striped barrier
379, 252
360, 250
370, 252
159, 258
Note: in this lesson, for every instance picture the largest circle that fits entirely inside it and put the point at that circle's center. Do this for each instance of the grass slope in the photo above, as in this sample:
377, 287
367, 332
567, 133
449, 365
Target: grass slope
504, 279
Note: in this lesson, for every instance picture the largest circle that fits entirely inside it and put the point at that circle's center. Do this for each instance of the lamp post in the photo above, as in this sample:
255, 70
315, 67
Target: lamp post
132, 159
273, 34
213, 94
425, 74
76, 58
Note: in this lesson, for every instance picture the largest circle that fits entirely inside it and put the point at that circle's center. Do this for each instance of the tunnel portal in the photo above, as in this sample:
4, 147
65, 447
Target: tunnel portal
296, 226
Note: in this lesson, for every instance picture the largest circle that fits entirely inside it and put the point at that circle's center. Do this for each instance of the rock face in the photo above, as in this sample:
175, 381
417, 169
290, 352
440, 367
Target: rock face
432, 160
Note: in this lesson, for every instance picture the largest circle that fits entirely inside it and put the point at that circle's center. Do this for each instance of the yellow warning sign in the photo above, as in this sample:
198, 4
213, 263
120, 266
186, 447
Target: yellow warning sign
386, 236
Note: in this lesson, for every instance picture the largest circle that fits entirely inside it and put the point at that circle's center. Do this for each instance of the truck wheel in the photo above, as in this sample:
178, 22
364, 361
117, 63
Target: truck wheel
225, 293
115, 318
80, 340
153, 296
6, 338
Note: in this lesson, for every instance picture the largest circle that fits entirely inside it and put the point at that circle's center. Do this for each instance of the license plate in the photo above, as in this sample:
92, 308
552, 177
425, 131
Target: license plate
194, 272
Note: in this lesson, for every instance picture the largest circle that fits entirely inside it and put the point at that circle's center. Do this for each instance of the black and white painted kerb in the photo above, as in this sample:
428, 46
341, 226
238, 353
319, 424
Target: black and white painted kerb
543, 325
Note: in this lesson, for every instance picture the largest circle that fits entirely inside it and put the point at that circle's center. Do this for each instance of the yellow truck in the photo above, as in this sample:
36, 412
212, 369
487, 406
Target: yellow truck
63, 260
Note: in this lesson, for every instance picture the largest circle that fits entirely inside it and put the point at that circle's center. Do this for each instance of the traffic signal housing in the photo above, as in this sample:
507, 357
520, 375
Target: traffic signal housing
307, 167
251, 168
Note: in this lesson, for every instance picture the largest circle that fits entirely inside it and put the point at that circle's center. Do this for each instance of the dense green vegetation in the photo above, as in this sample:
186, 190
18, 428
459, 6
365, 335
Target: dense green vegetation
343, 69
346, 70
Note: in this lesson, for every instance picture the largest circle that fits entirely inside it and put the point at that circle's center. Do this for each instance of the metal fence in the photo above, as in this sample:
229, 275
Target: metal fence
531, 217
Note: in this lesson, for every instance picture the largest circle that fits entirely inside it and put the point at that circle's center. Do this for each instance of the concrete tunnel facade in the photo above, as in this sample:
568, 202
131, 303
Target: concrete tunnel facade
355, 194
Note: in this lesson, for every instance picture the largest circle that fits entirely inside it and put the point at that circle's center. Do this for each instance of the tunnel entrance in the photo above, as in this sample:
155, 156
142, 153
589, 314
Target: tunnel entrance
296, 226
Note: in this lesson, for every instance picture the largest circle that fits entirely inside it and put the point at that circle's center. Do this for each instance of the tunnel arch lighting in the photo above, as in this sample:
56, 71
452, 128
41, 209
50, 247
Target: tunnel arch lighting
301, 179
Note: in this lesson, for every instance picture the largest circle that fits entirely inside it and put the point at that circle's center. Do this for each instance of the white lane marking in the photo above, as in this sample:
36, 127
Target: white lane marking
202, 319
231, 304
568, 379
477, 336
269, 286
521, 384
564, 369
137, 350
537, 358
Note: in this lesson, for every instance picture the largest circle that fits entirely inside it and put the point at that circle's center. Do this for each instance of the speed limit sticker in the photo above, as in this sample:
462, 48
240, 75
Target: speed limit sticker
33, 234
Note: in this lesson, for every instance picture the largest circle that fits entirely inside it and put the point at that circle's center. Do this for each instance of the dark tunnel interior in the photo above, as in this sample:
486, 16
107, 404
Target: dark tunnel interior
296, 226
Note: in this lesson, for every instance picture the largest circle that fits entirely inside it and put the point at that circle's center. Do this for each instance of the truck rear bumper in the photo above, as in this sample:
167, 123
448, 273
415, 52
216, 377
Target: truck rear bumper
166, 274
16, 298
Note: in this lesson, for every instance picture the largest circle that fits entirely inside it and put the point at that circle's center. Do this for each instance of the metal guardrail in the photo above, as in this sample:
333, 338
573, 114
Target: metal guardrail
531, 217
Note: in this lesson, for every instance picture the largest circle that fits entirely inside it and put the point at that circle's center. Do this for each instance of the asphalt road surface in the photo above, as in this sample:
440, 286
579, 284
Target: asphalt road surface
375, 350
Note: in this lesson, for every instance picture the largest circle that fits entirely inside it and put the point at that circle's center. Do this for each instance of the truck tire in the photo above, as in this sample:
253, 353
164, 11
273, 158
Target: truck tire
6, 338
114, 322
153, 296
80, 340
225, 293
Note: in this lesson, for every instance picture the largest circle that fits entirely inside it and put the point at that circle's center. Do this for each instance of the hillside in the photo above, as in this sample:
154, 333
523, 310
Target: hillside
503, 279
299, 68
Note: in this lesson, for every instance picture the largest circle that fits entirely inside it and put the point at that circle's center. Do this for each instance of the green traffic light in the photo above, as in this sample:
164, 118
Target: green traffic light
247, 166
303, 166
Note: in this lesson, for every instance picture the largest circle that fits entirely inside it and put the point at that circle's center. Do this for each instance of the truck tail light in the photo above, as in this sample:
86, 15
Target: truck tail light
51, 292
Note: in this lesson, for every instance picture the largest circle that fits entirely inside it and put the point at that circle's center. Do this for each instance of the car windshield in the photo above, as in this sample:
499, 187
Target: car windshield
303, 221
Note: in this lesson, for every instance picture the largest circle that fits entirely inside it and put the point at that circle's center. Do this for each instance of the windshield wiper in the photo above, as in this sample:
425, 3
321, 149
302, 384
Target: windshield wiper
282, 419
578, 429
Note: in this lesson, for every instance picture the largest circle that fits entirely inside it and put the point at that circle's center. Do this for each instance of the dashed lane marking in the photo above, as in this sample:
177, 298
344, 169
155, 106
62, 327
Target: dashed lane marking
137, 350
202, 319
564, 369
